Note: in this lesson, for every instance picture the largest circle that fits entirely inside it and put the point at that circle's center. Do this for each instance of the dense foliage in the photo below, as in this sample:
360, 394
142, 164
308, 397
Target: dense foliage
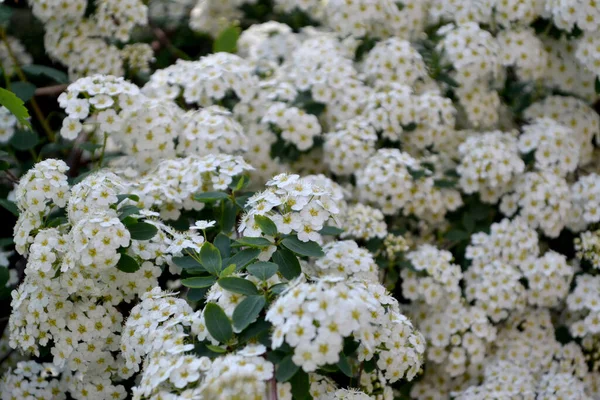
316, 199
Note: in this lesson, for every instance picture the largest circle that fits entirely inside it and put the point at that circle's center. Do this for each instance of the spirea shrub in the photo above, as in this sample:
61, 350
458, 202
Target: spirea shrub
281, 200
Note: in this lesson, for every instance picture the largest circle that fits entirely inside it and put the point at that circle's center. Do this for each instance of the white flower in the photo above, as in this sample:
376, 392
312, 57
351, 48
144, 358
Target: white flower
202, 224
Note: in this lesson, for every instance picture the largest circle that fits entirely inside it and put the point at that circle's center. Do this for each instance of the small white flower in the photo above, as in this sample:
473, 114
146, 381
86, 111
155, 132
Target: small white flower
202, 224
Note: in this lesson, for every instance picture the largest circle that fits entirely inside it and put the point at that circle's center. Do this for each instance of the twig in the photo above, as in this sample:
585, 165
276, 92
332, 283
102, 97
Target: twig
34, 104
164, 41
51, 90
273, 389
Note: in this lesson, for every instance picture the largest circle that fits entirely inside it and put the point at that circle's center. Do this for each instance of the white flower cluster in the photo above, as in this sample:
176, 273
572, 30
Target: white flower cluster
585, 200
8, 125
489, 164
434, 280
585, 299
293, 124
542, 199
473, 52
347, 260
395, 60
555, 146
360, 221
387, 181
99, 100
86, 45
457, 336
271, 41
572, 113
524, 51
32, 380
383, 19
295, 205
349, 147
204, 82
11, 47
211, 130
587, 246
315, 317
171, 185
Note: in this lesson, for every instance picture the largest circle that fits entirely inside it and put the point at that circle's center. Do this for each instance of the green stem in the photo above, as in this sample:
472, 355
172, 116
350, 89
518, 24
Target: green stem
34, 105
103, 150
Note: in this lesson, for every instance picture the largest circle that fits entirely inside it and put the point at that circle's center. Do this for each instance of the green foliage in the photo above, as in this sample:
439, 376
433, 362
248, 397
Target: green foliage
141, 230
238, 285
289, 266
217, 323
227, 39
199, 282
263, 270
243, 258
127, 264
308, 249
42, 70
210, 258
15, 105
265, 224
248, 311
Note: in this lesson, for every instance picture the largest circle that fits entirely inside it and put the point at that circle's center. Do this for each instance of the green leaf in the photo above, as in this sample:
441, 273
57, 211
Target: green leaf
289, 266
444, 77
468, 222
309, 249
5, 15
128, 210
456, 235
278, 288
15, 105
259, 242
253, 330
300, 385
199, 282
127, 264
227, 39
142, 231
196, 294
238, 285
121, 197
223, 243
6, 242
444, 183
42, 70
239, 182
227, 215
24, 90
210, 257
227, 271
216, 349
417, 173
210, 197
265, 224
24, 139
243, 258
263, 270
247, 311
217, 323
286, 369
187, 262
10, 206
344, 366
4, 165
91, 147
331, 231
